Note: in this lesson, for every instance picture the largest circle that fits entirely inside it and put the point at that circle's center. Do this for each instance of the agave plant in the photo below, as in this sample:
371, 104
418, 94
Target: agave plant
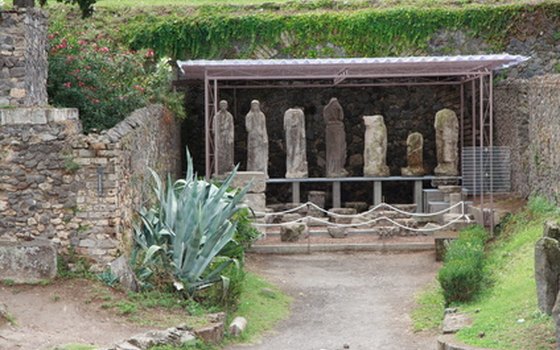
188, 227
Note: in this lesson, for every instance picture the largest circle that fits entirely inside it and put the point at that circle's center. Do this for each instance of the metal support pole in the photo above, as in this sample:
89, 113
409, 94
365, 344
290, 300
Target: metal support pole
216, 150
491, 143
207, 170
295, 192
481, 142
418, 200
336, 196
473, 136
462, 119
377, 193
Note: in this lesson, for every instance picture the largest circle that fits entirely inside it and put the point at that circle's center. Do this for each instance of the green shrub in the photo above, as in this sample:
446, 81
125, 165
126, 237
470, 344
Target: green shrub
462, 274
105, 82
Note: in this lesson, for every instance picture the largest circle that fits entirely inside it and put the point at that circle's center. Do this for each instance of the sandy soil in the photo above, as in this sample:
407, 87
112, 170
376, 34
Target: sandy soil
361, 300
61, 313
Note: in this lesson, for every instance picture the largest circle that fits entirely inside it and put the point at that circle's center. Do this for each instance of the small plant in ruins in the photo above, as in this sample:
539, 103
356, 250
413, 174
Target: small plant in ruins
181, 239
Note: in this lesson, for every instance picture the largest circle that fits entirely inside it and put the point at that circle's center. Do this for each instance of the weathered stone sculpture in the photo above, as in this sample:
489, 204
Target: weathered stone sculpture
296, 153
414, 155
335, 139
547, 267
447, 136
223, 127
375, 147
257, 139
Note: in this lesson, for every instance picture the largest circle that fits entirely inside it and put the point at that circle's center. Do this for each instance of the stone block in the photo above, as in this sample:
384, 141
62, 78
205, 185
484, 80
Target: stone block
337, 232
256, 178
212, 334
59, 115
547, 273
238, 326
18, 116
358, 206
256, 201
27, 262
293, 232
342, 211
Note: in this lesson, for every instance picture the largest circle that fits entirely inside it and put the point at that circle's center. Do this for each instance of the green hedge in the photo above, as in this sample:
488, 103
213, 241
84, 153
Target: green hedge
462, 274
368, 32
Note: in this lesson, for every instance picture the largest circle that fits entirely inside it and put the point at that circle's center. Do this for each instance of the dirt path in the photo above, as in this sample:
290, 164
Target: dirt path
52, 315
361, 300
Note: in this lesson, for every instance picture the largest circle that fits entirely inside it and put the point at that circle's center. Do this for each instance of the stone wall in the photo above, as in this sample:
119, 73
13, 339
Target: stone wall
80, 190
527, 115
23, 57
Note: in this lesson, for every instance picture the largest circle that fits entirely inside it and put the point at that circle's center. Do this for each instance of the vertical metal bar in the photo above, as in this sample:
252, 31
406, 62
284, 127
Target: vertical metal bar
462, 119
418, 200
491, 143
336, 195
215, 127
207, 135
481, 142
473, 136
377, 193
295, 192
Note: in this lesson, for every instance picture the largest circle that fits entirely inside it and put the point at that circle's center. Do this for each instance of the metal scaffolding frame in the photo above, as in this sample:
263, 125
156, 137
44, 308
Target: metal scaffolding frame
471, 74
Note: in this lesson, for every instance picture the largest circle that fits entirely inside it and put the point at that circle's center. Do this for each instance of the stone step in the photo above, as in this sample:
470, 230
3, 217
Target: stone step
430, 195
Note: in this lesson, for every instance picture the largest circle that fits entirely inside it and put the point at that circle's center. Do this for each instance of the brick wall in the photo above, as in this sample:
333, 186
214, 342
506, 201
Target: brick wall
23, 57
80, 190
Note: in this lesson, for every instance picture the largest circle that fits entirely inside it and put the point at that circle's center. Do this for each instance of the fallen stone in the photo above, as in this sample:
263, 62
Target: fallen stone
290, 217
337, 232
552, 230
213, 333
256, 179
547, 272
342, 219
237, 326
27, 262
454, 322
269, 293
358, 206
121, 269
292, 232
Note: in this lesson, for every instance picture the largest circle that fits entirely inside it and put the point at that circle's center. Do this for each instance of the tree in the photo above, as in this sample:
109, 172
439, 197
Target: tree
86, 6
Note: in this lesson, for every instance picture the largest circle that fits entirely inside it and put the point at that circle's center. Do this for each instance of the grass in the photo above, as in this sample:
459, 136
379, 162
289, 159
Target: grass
309, 4
75, 347
428, 313
505, 314
262, 310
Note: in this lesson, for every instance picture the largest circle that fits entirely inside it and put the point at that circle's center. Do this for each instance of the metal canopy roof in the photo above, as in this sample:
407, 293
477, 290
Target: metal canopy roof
347, 68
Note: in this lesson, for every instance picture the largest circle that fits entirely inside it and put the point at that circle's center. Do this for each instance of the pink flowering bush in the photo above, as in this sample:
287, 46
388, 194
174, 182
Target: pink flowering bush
104, 82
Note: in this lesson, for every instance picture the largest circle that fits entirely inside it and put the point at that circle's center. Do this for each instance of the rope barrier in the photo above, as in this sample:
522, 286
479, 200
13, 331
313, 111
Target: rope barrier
370, 211
373, 221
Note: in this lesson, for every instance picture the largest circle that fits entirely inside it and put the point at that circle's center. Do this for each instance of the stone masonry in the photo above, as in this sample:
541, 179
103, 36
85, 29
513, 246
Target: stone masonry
527, 115
23, 57
80, 190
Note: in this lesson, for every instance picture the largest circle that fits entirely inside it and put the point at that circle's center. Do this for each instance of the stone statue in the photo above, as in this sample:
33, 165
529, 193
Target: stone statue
375, 147
335, 139
257, 139
447, 136
414, 155
223, 127
296, 153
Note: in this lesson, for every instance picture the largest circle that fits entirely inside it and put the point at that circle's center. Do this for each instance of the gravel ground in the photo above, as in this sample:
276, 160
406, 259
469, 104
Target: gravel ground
358, 300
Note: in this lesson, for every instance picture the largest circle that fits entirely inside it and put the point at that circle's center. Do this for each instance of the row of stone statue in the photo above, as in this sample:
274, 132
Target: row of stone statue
375, 143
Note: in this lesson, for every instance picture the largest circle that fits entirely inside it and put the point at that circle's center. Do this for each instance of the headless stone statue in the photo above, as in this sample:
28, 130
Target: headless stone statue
375, 147
296, 153
414, 155
335, 139
257, 139
224, 138
447, 136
